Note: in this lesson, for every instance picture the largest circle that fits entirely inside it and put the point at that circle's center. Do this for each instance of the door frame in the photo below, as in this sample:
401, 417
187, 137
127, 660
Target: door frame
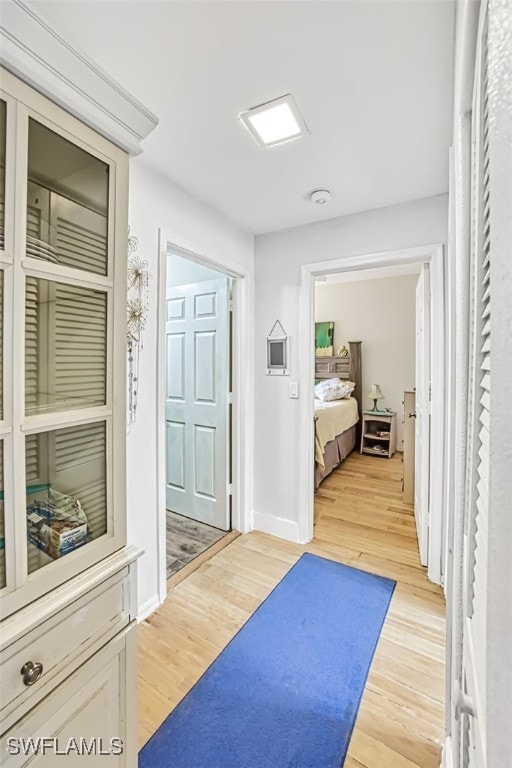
425, 356
241, 427
432, 254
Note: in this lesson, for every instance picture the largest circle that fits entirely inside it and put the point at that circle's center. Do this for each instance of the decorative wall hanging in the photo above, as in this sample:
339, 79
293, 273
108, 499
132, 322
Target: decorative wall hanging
324, 339
137, 311
277, 351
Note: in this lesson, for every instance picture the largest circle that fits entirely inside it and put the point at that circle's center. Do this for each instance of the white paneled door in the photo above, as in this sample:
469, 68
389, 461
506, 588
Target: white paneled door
422, 436
196, 406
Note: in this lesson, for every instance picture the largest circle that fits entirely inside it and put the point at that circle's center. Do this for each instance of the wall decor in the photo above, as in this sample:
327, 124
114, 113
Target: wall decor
277, 351
324, 339
137, 307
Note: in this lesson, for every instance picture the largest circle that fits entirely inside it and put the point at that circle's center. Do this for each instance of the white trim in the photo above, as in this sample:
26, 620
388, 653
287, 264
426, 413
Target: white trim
160, 421
433, 255
242, 440
35, 52
17, 625
149, 607
447, 756
276, 526
438, 340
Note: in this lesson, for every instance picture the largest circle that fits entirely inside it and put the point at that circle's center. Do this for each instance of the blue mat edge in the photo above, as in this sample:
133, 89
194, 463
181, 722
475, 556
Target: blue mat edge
306, 555
370, 662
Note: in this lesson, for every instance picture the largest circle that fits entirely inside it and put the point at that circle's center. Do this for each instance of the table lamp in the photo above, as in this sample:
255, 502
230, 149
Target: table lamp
375, 394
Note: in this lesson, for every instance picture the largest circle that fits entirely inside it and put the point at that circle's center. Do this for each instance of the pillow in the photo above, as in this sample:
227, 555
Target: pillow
333, 389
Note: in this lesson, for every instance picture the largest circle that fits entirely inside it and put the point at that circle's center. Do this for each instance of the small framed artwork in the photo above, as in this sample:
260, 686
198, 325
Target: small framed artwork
324, 339
277, 351
277, 354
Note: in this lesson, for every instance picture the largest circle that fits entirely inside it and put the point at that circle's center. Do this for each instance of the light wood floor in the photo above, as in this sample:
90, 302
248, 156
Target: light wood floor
359, 520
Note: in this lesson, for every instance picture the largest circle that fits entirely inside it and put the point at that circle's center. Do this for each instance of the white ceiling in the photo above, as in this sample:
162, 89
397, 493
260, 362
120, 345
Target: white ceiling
373, 80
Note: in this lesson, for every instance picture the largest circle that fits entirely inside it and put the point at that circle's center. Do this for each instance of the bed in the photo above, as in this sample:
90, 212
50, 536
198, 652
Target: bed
337, 421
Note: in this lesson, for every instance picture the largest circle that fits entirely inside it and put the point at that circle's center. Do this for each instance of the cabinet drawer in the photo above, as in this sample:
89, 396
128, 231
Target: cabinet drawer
95, 706
60, 644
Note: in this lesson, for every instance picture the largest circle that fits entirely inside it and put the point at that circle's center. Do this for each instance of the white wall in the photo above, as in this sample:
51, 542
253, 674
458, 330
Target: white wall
278, 258
182, 271
381, 314
156, 202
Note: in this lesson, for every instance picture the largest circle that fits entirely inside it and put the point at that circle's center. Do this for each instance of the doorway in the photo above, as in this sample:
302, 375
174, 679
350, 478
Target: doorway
433, 523
241, 430
197, 410
387, 310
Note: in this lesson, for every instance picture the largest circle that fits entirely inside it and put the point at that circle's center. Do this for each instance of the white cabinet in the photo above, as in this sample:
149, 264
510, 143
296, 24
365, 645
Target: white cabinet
77, 724
67, 578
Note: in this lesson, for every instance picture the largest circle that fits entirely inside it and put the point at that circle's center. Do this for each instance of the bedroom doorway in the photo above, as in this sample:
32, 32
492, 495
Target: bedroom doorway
427, 263
197, 412
387, 308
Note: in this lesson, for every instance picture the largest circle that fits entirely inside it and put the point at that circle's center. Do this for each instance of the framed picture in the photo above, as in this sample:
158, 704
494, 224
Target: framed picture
324, 339
277, 351
277, 354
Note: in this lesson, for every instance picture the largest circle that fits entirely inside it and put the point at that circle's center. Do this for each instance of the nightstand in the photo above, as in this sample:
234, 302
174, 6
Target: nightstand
372, 441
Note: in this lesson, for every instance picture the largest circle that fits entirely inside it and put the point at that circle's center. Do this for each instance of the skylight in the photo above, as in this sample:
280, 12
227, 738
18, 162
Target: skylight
275, 122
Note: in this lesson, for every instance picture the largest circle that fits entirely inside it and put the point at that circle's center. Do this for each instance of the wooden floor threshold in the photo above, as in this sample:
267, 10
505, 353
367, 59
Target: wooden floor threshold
194, 564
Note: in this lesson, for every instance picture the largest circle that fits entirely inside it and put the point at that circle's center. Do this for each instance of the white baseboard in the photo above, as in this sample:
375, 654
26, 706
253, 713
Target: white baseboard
447, 757
276, 526
148, 608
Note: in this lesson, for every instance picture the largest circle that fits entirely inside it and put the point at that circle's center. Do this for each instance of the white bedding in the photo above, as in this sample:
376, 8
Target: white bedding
331, 419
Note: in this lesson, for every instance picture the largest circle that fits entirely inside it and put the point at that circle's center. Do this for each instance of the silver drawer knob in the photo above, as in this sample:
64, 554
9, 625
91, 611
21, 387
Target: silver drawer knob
31, 672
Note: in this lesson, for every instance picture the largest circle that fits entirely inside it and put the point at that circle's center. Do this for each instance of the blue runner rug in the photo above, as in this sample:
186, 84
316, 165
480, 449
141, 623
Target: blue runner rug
284, 693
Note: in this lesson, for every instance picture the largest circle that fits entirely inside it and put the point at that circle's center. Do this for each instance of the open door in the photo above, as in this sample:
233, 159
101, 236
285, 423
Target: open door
422, 430
196, 405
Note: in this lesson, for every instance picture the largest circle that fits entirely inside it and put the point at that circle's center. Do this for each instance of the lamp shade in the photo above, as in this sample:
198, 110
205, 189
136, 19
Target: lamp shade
375, 392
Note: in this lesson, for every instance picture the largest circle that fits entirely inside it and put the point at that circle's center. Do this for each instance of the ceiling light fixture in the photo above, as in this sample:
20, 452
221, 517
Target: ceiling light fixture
320, 196
275, 122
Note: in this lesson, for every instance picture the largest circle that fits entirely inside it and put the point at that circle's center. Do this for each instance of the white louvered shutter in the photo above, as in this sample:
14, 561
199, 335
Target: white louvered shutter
79, 455
80, 242
80, 331
31, 343
476, 550
72, 371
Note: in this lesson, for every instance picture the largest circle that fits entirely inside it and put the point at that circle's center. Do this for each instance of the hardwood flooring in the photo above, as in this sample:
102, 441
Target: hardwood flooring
186, 539
359, 520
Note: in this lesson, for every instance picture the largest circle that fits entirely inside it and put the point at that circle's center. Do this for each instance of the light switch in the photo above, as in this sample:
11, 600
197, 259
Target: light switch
294, 390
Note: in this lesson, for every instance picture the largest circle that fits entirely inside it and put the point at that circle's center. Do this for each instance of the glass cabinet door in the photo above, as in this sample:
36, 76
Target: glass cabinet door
3, 123
67, 202
63, 413
2, 521
66, 491
1, 344
65, 346
3, 117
